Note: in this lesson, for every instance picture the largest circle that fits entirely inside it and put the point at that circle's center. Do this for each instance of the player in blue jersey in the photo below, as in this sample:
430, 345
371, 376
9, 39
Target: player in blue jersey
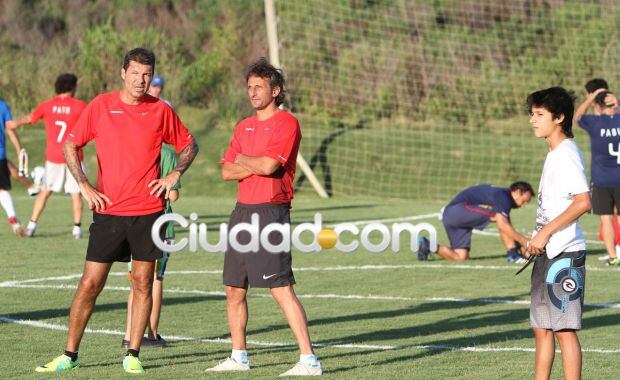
603, 127
474, 208
5, 176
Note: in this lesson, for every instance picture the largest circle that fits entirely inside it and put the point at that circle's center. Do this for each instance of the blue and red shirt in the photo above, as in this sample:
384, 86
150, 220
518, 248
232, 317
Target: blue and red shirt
498, 199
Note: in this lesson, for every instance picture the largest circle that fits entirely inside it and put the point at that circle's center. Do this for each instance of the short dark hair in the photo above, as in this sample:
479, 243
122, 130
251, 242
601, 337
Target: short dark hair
140, 55
66, 82
595, 84
523, 187
263, 69
599, 99
559, 102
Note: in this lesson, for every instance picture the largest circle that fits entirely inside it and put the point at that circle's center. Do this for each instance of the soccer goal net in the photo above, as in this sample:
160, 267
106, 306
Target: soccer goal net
421, 98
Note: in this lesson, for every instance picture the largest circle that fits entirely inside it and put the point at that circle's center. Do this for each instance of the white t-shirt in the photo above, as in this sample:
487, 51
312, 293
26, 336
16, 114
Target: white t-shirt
563, 177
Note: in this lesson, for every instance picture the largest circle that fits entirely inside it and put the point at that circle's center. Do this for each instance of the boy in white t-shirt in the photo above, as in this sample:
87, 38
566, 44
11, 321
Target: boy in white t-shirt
558, 277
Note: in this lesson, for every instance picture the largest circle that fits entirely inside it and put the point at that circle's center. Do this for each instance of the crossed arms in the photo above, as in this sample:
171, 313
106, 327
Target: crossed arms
245, 166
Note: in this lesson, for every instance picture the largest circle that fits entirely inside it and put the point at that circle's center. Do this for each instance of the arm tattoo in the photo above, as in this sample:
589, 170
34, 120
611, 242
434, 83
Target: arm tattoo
186, 157
73, 162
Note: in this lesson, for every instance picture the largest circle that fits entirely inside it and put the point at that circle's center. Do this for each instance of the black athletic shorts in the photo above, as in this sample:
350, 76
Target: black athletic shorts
261, 269
604, 199
5, 175
121, 238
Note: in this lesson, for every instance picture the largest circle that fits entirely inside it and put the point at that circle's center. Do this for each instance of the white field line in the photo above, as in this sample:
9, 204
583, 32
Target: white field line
436, 215
336, 268
434, 347
314, 269
493, 233
321, 296
388, 220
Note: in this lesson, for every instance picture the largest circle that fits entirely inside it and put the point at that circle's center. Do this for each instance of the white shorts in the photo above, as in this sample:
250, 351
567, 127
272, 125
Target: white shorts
56, 174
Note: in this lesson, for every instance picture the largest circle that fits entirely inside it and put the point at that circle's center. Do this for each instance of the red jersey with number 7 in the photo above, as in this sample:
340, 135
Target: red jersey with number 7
60, 115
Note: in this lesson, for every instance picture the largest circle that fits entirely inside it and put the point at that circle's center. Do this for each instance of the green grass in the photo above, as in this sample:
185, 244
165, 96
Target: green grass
421, 319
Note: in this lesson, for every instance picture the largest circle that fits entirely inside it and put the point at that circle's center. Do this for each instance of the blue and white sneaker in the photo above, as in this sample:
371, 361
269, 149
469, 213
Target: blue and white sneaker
517, 259
424, 249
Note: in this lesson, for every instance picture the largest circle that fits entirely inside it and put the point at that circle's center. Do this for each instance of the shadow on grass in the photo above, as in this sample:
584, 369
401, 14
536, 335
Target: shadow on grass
428, 307
64, 312
462, 323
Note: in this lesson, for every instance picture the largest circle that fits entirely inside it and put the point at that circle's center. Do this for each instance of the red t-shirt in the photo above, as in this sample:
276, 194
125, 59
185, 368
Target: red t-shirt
277, 137
60, 115
128, 141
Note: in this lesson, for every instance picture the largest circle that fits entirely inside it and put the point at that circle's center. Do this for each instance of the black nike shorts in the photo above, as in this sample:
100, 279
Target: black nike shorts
261, 269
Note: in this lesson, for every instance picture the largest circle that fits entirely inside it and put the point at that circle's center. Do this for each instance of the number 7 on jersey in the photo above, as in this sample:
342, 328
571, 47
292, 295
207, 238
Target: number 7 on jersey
63, 128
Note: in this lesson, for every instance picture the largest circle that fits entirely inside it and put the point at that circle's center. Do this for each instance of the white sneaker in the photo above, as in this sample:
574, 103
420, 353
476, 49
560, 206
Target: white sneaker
229, 365
34, 190
604, 258
77, 233
30, 229
303, 369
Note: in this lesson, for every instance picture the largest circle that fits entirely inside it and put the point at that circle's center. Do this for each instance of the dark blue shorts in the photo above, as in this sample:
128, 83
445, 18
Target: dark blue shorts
460, 219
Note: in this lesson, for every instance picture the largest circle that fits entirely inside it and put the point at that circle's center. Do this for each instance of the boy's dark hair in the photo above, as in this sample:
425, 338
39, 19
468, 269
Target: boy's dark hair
140, 55
523, 187
65, 83
263, 69
559, 102
599, 99
595, 84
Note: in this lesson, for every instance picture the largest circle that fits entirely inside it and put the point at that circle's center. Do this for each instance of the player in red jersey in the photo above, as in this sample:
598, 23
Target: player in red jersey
60, 115
262, 157
128, 128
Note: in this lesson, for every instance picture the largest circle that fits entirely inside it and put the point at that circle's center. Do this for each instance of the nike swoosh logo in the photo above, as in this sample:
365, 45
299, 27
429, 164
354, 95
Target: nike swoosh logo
268, 277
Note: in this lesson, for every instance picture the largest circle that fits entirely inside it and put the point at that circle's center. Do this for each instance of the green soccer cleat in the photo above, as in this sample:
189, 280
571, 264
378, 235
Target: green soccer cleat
60, 364
614, 262
131, 364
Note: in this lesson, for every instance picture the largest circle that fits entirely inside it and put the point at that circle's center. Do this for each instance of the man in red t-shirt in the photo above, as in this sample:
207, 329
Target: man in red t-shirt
262, 158
128, 127
60, 115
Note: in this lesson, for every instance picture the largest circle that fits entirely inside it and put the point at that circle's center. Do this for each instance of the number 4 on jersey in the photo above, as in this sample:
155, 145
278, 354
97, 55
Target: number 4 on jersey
615, 153
63, 128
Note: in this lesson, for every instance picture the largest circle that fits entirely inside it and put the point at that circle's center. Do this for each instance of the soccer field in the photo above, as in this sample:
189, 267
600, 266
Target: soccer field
371, 315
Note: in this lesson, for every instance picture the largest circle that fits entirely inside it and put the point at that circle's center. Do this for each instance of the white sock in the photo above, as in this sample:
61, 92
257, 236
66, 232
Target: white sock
309, 359
7, 203
617, 250
240, 356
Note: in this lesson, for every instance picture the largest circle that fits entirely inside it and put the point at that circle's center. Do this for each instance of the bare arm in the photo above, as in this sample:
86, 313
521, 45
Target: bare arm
174, 195
14, 139
96, 200
186, 157
504, 225
234, 172
580, 205
262, 165
10, 125
583, 107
